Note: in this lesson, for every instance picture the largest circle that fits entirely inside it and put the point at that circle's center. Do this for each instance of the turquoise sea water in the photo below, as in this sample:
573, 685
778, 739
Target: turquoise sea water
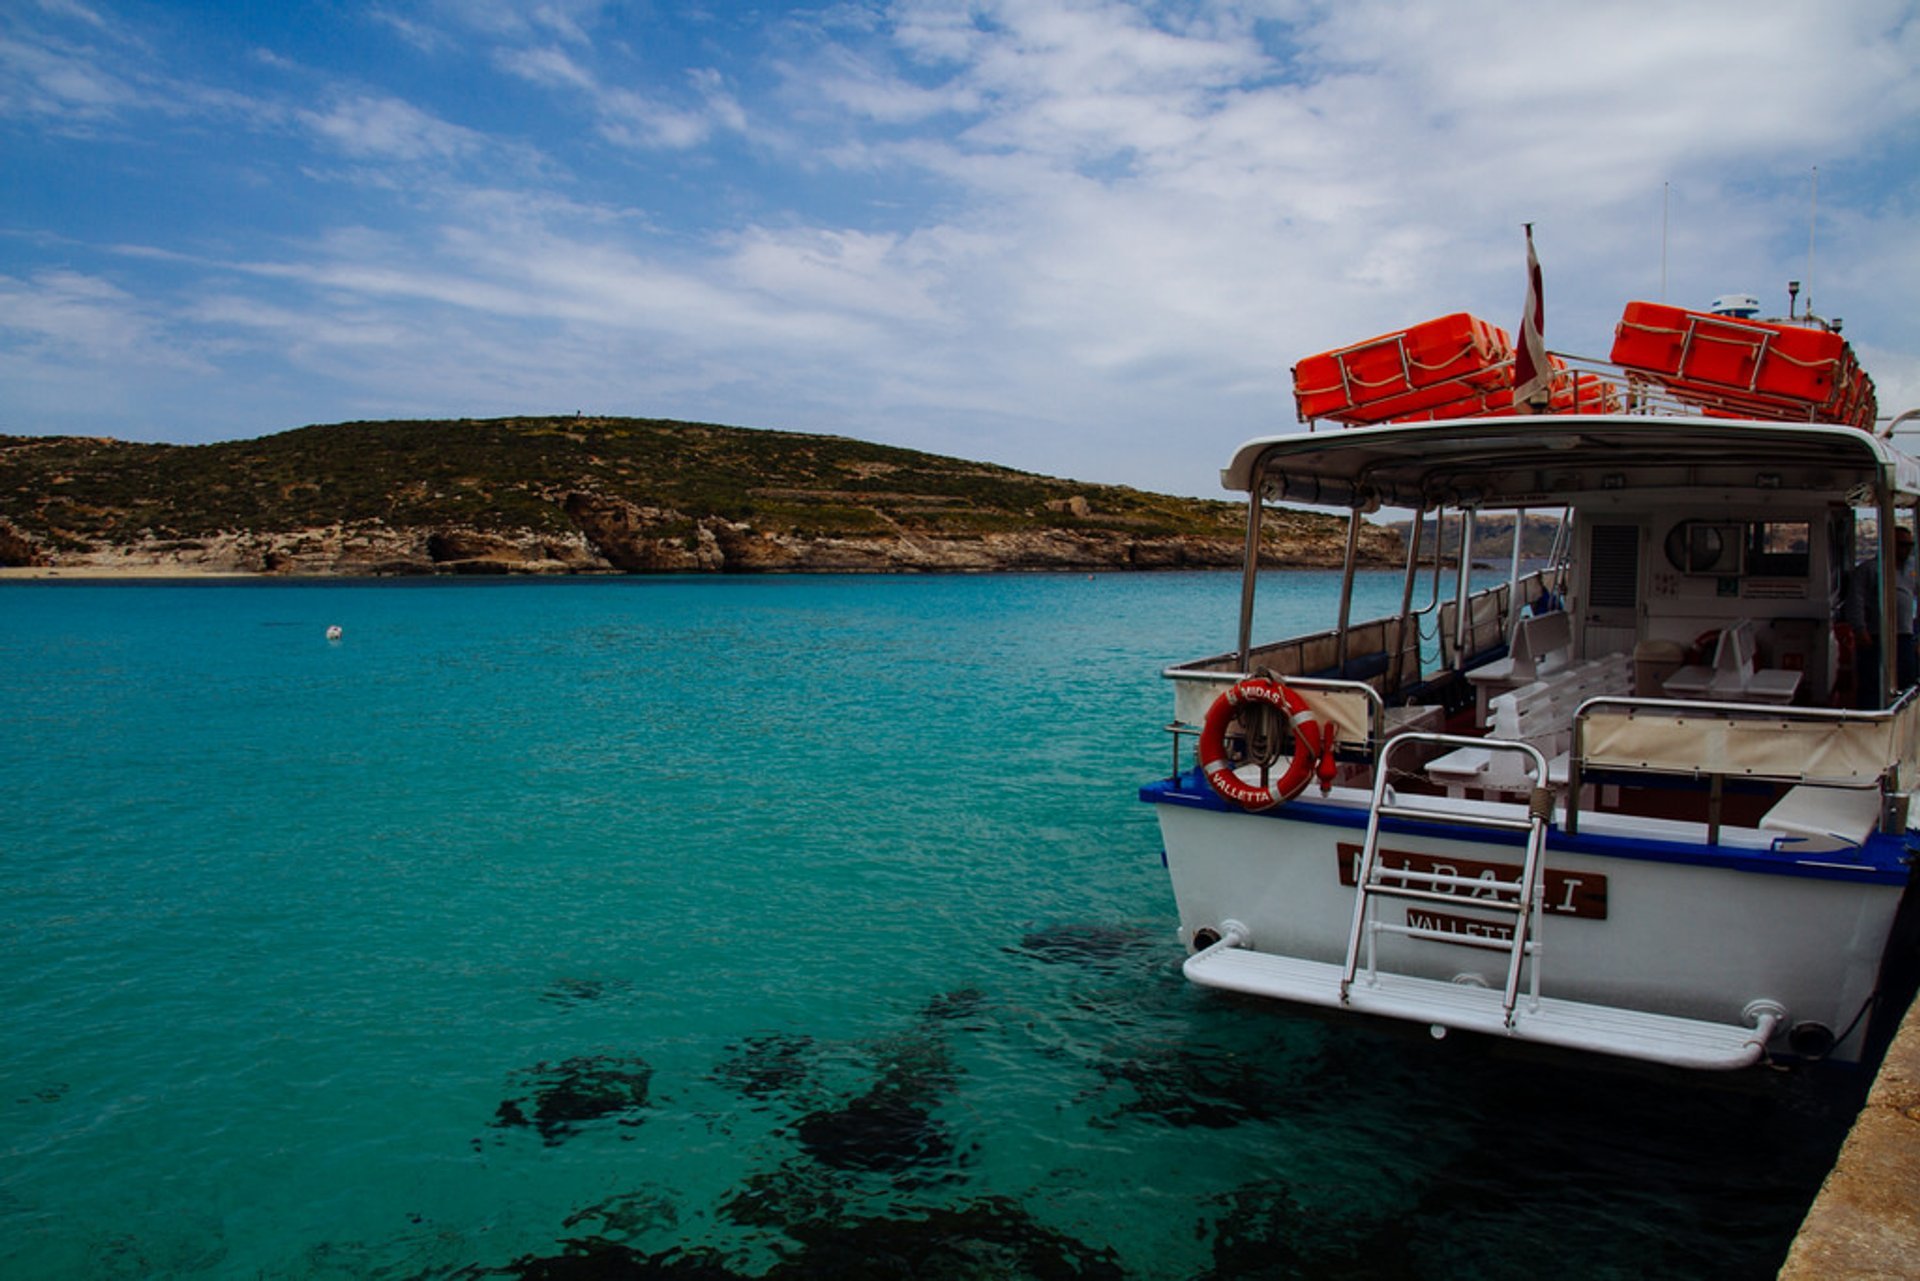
758, 927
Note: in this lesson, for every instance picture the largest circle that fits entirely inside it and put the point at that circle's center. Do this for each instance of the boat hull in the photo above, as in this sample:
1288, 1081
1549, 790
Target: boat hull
1660, 927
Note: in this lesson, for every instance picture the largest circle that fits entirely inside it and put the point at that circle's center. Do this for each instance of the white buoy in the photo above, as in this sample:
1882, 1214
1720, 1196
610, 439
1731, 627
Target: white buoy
334, 633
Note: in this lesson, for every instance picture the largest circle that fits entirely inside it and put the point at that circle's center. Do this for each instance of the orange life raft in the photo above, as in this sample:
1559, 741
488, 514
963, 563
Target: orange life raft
1397, 375
1730, 365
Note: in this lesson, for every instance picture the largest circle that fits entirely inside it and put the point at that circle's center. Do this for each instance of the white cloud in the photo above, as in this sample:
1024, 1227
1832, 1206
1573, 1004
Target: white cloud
422, 36
1080, 236
74, 317
722, 107
546, 66
376, 127
46, 81
74, 10
636, 120
627, 116
883, 277
555, 18
844, 79
566, 18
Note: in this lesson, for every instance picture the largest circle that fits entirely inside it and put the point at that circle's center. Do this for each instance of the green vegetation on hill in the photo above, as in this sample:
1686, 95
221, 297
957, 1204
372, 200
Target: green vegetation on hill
514, 475
1492, 537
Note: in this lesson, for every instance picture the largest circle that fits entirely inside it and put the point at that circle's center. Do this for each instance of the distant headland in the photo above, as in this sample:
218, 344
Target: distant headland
578, 495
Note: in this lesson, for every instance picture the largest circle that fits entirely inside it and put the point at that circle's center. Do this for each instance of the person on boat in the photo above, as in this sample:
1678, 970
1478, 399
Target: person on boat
1863, 616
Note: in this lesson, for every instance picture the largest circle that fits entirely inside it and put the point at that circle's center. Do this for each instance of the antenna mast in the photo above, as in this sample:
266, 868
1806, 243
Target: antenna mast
1813, 219
1666, 189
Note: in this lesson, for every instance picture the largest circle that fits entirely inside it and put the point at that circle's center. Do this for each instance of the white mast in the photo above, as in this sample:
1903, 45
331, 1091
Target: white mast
1666, 190
1813, 218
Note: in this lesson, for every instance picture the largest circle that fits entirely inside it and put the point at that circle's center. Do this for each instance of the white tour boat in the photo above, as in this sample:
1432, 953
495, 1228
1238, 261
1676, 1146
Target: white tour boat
1645, 800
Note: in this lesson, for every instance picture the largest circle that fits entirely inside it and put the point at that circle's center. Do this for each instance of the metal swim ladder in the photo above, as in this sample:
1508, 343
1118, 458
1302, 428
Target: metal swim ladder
1520, 899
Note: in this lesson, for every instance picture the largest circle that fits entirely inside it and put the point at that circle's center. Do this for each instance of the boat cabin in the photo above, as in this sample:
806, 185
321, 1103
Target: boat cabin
1695, 561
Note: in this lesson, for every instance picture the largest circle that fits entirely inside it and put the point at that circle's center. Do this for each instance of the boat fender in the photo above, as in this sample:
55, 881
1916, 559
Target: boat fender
1810, 1040
1312, 752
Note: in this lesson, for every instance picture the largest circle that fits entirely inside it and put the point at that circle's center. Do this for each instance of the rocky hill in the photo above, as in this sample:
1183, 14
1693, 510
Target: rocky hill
585, 495
1492, 537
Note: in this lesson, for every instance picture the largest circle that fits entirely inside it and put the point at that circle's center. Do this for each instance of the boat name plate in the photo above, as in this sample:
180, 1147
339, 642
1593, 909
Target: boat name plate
1582, 894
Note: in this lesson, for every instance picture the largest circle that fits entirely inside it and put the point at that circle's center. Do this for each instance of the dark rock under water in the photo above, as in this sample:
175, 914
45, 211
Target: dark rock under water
569, 992
764, 1067
889, 1130
989, 1238
557, 1099
891, 1127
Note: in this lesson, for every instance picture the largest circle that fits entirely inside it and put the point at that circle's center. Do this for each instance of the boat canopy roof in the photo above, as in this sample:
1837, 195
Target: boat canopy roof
1522, 461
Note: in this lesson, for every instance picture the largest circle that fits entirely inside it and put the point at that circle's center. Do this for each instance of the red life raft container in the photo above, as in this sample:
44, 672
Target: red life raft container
1758, 368
1571, 392
1400, 373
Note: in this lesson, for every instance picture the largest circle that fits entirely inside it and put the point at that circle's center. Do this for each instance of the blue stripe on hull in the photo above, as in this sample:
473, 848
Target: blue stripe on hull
1883, 860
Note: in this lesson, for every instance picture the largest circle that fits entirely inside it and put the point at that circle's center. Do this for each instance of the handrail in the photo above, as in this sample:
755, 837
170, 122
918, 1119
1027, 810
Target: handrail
1884, 778
1376, 705
1376, 716
1893, 424
1233, 665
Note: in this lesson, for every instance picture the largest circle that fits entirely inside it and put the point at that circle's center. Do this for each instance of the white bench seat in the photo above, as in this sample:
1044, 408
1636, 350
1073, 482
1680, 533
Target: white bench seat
1539, 714
1542, 646
1460, 769
1691, 681
1736, 675
1824, 818
1772, 685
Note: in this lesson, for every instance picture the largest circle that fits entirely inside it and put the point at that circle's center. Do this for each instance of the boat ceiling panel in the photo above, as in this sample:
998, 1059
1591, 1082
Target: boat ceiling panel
1509, 460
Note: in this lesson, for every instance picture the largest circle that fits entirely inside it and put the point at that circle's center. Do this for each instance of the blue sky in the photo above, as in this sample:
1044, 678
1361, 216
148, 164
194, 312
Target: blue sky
1078, 237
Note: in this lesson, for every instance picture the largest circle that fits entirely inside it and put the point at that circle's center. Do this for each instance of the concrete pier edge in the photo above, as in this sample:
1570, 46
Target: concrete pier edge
1865, 1223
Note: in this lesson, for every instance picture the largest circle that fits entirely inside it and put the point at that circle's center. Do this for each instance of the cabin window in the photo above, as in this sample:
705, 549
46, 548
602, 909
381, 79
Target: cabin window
1779, 548
1755, 548
1705, 547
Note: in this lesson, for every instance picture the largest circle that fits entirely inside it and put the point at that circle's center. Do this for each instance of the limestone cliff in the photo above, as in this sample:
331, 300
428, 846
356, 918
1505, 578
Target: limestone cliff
571, 496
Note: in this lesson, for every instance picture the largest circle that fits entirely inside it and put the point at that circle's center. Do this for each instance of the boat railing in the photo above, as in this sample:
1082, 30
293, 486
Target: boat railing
1815, 747
1490, 618
1869, 755
1368, 652
1355, 709
1647, 392
1196, 685
1368, 656
1590, 385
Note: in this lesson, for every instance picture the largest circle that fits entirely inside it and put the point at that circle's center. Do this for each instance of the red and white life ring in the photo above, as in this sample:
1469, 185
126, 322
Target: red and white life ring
1311, 752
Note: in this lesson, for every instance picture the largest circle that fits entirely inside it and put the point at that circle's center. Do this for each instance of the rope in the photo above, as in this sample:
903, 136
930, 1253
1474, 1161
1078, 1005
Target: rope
1340, 357
1464, 352
1760, 339
1806, 364
1649, 329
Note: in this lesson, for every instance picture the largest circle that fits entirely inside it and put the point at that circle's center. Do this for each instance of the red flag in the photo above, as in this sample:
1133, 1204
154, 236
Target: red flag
1532, 375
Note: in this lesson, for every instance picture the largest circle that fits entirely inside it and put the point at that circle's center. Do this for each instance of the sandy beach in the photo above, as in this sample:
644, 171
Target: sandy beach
20, 572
